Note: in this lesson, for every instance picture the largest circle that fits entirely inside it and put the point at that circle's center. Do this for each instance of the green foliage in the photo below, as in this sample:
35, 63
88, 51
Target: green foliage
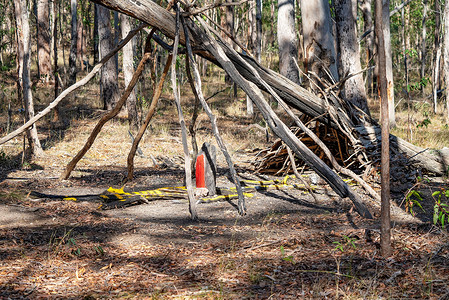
348, 242
425, 122
286, 258
441, 207
413, 198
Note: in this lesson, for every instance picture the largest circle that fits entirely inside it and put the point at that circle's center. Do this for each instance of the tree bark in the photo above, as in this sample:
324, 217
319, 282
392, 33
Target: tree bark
349, 58
446, 52
369, 43
288, 49
73, 42
389, 61
43, 41
25, 35
423, 40
128, 71
319, 48
109, 92
385, 226
436, 57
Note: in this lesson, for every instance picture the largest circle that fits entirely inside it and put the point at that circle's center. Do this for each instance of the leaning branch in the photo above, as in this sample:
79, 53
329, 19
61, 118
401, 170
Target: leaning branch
72, 88
111, 114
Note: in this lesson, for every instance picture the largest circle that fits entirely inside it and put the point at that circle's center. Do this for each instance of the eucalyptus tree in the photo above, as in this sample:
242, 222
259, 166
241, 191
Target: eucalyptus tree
43, 39
349, 54
24, 76
109, 92
288, 49
73, 42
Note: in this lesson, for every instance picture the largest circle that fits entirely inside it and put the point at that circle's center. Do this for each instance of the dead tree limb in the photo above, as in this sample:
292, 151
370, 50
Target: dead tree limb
111, 114
71, 88
213, 120
187, 164
278, 127
148, 117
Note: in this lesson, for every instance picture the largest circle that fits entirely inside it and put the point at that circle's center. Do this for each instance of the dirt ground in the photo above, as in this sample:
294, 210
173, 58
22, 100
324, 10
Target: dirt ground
287, 246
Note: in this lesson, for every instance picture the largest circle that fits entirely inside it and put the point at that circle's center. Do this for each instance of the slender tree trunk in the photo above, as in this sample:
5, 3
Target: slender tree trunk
385, 227
43, 41
288, 49
73, 43
57, 116
128, 71
446, 52
79, 44
369, 43
95, 48
353, 88
319, 48
389, 61
436, 57
109, 93
423, 41
25, 35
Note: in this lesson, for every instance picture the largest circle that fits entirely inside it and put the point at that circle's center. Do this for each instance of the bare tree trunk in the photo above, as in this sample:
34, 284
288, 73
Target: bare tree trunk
367, 25
288, 49
108, 79
79, 44
25, 35
385, 227
389, 61
319, 49
43, 40
95, 48
73, 43
128, 71
353, 88
436, 57
57, 116
446, 52
423, 40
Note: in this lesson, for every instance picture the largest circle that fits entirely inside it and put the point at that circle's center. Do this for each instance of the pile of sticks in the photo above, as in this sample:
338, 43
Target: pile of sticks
275, 159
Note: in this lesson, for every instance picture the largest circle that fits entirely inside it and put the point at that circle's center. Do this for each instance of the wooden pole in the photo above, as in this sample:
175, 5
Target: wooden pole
385, 226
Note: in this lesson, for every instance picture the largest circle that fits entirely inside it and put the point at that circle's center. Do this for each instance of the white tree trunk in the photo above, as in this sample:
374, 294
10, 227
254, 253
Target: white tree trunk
25, 35
128, 71
288, 49
446, 52
319, 47
353, 88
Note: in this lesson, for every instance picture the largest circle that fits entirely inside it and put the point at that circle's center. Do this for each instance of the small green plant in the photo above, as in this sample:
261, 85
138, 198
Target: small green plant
99, 250
286, 258
425, 122
413, 198
441, 209
348, 242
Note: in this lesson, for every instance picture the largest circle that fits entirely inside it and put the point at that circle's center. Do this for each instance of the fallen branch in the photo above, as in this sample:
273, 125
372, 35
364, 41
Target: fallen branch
72, 88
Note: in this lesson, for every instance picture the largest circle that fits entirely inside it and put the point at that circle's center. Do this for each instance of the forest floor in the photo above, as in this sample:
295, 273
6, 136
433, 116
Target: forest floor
287, 246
